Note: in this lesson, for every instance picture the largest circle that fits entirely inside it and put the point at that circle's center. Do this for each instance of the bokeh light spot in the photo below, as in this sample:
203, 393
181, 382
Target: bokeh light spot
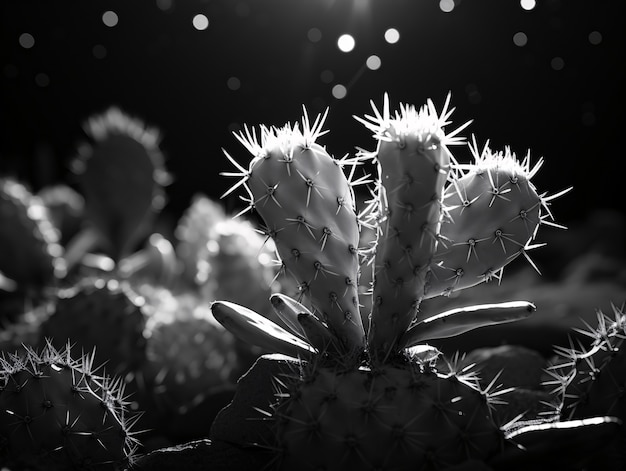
520, 39
314, 35
42, 79
528, 4
327, 76
392, 35
200, 22
339, 91
27, 40
99, 51
446, 6
557, 63
164, 4
595, 38
346, 43
233, 83
110, 18
373, 62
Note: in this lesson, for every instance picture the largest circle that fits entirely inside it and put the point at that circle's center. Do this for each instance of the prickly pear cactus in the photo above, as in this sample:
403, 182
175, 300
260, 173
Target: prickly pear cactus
31, 254
101, 314
121, 176
58, 412
370, 400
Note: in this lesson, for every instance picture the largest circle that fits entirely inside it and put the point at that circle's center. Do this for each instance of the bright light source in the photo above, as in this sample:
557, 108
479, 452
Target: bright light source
346, 43
339, 91
110, 18
200, 22
373, 62
392, 35
26, 40
446, 6
528, 4
520, 39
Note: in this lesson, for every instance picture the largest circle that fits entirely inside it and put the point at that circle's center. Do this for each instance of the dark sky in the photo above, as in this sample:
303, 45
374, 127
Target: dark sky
258, 61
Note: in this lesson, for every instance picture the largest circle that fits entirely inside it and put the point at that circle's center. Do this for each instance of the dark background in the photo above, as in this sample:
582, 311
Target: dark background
156, 66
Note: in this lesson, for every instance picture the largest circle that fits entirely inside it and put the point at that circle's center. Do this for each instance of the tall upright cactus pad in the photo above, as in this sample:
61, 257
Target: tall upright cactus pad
414, 162
308, 207
493, 214
30, 253
103, 315
58, 412
121, 174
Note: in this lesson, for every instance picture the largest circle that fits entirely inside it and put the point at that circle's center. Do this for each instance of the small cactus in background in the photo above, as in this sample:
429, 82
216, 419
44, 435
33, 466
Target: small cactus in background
31, 255
103, 316
121, 176
374, 399
58, 412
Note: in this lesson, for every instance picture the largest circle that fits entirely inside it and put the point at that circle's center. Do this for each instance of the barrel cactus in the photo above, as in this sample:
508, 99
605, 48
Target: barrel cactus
373, 397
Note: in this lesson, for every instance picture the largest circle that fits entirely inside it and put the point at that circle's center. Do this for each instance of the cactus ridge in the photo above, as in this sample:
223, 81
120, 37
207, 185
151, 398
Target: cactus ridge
308, 207
60, 410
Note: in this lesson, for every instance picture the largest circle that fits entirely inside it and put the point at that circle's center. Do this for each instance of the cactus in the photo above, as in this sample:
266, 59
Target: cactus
32, 256
375, 400
121, 176
59, 412
592, 381
102, 315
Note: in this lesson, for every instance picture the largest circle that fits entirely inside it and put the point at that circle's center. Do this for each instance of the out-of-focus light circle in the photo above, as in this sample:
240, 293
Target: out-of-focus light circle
392, 35
164, 4
528, 4
373, 62
27, 40
327, 76
595, 38
446, 6
99, 51
110, 18
200, 22
339, 91
557, 63
314, 35
346, 43
233, 83
42, 79
520, 39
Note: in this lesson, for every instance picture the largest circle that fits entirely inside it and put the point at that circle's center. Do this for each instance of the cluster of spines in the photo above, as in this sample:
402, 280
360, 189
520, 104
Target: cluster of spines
59, 409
